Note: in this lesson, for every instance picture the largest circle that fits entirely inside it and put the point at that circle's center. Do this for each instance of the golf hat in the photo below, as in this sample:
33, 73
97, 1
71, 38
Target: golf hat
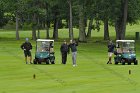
27, 39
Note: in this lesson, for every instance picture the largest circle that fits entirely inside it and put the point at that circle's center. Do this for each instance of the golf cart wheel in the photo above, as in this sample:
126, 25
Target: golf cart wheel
52, 62
39, 62
123, 62
35, 61
129, 63
116, 63
136, 62
47, 61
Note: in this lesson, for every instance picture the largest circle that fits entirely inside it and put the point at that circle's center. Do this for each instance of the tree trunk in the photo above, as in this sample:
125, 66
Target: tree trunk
124, 18
47, 22
47, 31
89, 28
55, 32
106, 30
34, 27
118, 30
120, 25
38, 27
82, 34
67, 23
70, 22
60, 24
17, 25
38, 34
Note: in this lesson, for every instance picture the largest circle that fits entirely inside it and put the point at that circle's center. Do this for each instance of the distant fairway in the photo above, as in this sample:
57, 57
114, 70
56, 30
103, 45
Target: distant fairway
92, 75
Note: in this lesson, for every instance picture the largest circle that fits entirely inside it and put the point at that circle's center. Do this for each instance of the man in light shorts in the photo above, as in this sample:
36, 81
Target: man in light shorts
111, 47
110, 54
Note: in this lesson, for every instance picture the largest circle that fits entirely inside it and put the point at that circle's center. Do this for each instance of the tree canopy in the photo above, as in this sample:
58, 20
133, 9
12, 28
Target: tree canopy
77, 13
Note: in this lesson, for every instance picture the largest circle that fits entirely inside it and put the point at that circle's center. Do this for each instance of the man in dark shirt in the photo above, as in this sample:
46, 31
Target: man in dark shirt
64, 51
111, 47
73, 45
26, 46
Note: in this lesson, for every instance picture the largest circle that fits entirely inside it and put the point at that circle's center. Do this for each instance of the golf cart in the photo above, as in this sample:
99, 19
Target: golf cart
44, 51
125, 52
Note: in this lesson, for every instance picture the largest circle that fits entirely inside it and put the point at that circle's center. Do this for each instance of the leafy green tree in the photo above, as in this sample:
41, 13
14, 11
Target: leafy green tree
117, 13
104, 15
54, 6
36, 12
15, 8
124, 12
59, 12
92, 12
3, 18
42, 13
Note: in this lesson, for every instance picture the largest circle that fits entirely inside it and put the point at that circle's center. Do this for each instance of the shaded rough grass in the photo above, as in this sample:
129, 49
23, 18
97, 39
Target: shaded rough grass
92, 75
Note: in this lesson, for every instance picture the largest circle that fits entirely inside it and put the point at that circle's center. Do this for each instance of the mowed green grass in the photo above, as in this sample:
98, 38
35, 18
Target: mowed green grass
92, 75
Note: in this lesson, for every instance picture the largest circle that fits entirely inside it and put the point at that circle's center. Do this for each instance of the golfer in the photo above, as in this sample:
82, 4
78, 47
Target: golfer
26, 46
111, 47
73, 46
64, 52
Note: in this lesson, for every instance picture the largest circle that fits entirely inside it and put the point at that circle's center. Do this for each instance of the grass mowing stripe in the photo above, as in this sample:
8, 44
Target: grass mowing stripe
87, 77
131, 81
62, 82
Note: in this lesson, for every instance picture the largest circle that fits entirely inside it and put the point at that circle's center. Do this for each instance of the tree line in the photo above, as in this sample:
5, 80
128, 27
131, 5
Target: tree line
41, 14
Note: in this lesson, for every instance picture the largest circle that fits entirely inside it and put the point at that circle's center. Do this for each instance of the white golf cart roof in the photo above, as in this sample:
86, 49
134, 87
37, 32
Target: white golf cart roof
125, 40
44, 40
